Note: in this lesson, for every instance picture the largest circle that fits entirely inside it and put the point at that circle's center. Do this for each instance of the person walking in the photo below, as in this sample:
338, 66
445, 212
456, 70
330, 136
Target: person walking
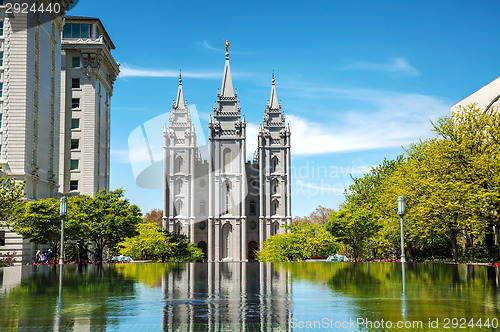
37, 257
49, 255
43, 258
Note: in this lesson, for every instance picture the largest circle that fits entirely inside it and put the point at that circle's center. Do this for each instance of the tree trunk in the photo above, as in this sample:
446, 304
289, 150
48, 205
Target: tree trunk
453, 240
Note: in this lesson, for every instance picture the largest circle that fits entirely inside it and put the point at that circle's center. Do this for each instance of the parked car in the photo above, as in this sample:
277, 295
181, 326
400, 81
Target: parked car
121, 259
337, 258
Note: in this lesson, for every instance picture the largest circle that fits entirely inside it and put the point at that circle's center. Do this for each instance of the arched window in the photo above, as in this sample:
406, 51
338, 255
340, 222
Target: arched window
178, 186
253, 208
227, 160
226, 242
252, 247
275, 207
274, 164
178, 164
203, 246
227, 197
274, 186
178, 207
276, 227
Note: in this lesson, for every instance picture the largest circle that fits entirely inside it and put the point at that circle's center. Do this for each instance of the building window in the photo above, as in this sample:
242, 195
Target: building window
178, 207
203, 225
227, 199
75, 123
75, 62
275, 207
75, 144
203, 209
1, 90
178, 186
75, 83
75, 103
274, 164
1, 28
2, 238
274, 186
178, 164
73, 185
1, 120
1, 59
227, 160
252, 225
74, 164
76, 30
253, 208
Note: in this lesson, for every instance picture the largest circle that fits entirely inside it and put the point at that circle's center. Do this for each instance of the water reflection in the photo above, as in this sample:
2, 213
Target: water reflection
232, 296
240, 296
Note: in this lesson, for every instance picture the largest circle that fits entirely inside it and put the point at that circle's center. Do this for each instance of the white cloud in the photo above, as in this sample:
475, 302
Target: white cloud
396, 65
389, 119
129, 71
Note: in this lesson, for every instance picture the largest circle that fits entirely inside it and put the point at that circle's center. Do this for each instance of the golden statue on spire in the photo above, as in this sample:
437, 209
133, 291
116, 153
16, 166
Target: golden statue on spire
227, 45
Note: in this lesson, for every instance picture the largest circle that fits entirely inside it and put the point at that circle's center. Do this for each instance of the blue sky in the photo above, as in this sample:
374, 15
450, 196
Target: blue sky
358, 80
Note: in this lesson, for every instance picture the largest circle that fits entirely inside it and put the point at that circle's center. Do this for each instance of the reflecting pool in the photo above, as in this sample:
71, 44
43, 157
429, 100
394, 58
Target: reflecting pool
318, 296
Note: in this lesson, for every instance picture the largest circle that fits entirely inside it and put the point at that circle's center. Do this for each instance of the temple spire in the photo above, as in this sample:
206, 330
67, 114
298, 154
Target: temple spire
179, 103
273, 100
227, 82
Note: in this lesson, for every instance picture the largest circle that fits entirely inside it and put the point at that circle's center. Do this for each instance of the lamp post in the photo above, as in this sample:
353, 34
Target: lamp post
63, 204
401, 212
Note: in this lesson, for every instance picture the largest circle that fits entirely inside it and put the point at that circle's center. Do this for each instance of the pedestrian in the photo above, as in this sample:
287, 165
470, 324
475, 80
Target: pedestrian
43, 257
37, 257
49, 255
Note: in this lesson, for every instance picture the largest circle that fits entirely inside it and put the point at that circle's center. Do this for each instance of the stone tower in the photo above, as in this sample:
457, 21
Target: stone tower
227, 175
180, 153
274, 170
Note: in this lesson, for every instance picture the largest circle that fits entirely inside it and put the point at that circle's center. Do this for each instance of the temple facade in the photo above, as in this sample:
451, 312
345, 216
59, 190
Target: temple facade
226, 205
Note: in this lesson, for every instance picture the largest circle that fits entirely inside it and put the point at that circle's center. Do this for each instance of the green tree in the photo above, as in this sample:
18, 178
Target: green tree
40, 222
152, 243
301, 241
108, 219
11, 196
352, 227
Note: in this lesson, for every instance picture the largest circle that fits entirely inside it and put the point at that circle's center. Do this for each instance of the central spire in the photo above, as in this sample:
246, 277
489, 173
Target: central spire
273, 100
227, 82
179, 103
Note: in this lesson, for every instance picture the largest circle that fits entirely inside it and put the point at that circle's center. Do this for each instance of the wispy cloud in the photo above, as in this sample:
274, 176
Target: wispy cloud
388, 119
206, 45
395, 66
129, 71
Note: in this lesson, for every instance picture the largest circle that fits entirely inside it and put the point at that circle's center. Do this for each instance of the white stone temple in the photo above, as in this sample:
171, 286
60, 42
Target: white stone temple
227, 206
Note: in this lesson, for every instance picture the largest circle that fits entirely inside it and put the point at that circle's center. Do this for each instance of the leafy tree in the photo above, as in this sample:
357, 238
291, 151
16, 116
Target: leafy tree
318, 216
352, 227
155, 215
108, 219
154, 244
40, 222
302, 241
11, 196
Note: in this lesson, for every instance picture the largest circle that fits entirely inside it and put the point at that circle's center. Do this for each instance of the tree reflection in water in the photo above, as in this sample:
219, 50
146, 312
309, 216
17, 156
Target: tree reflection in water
240, 296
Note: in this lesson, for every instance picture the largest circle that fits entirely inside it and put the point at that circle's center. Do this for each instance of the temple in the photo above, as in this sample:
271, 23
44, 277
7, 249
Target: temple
226, 205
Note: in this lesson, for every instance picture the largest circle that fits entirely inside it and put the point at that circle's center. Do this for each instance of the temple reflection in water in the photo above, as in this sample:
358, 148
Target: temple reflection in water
227, 296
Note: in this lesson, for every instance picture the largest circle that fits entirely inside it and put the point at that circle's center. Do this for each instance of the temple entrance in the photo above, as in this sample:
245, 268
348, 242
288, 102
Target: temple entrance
203, 246
252, 247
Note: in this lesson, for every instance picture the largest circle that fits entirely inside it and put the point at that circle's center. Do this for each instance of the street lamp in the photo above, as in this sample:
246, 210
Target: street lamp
63, 205
401, 212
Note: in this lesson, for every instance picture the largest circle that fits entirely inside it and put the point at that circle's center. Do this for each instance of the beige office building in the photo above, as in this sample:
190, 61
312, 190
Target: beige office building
88, 72
56, 81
